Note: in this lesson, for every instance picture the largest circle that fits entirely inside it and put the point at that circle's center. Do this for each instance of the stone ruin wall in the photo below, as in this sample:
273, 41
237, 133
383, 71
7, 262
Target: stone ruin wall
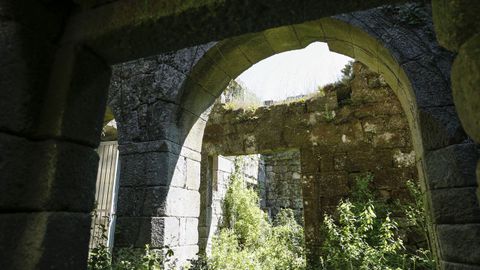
283, 187
343, 133
367, 132
449, 181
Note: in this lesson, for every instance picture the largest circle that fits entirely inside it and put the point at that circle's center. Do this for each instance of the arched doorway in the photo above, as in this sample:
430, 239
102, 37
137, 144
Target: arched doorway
416, 70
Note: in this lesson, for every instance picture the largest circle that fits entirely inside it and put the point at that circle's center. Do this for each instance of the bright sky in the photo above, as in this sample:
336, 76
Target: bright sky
294, 72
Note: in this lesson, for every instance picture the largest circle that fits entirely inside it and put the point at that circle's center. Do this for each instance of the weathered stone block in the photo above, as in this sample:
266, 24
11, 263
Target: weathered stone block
182, 202
203, 231
230, 50
465, 81
193, 135
332, 184
153, 169
150, 146
149, 121
457, 266
455, 21
309, 161
180, 174
188, 231
403, 158
459, 242
143, 201
308, 186
138, 231
183, 60
454, 205
452, 166
378, 109
166, 83
77, 96
44, 240
198, 100
192, 154
172, 231
431, 92
309, 32
282, 39
329, 201
312, 217
440, 127
369, 160
390, 178
21, 98
344, 47
121, 72
158, 120
46, 175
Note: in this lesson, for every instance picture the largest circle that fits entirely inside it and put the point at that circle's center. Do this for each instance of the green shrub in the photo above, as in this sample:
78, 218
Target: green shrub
228, 254
242, 213
130, 259
329, 115
359, 239
146, 259
360, 235
364, 236
100, 257
285, 245
248, 241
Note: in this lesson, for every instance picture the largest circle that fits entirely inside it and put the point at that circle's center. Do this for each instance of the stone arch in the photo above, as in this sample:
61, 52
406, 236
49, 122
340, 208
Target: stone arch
415, 67
359, 137
67, 74
227, 59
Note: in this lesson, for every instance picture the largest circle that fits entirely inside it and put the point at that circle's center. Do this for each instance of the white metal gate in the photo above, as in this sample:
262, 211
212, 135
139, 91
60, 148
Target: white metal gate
103, 220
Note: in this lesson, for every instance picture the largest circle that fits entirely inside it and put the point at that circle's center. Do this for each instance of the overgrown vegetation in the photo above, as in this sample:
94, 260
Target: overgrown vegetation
100, 257
238, 96
344, 80
347, 73
329, 115
363, 235
248, 240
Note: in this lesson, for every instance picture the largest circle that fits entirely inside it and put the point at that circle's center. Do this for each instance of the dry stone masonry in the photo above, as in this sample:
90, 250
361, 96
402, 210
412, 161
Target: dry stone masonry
405, 52
57, 59
343, 132
283, 185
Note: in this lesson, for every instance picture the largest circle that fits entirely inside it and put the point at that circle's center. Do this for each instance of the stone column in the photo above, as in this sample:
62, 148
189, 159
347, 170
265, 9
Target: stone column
159, 144
158, 201
53, 100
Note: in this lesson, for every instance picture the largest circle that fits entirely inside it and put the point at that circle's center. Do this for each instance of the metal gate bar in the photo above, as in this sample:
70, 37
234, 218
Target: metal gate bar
103, 219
